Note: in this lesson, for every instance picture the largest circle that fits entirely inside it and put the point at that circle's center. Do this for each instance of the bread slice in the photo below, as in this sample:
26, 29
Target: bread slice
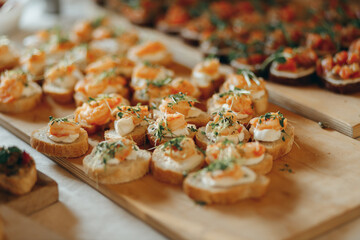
279, 147
123, 172
59, 95
263, 167
10, 65
172, 176
43, 144
208, 91
138, 135
202, 141
23, 104
155, 142
20, 183
261, 104
200, 192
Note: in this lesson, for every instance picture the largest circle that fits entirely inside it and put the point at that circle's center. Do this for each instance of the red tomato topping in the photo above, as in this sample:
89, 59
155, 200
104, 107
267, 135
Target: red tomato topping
341, 57
353, 58
26, 158
289, 65
345, 72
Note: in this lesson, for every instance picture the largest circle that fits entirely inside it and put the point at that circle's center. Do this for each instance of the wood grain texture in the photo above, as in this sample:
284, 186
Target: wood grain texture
18, 227
44, 193
340, 112
319, 194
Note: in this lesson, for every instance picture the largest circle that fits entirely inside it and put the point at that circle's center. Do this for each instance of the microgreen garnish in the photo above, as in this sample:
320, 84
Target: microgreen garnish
192, 129
174, 143
278, 56
235, 92
159, 83
109, 149
269, 116
286, 168
249, 75
53, 120
179, 97
97, 22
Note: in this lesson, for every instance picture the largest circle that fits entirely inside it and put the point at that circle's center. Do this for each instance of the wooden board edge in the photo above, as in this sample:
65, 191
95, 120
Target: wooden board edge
342, 127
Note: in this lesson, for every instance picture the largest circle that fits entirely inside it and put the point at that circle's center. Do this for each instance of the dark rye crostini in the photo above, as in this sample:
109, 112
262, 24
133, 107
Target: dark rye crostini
293, 66
17, 171
340, 73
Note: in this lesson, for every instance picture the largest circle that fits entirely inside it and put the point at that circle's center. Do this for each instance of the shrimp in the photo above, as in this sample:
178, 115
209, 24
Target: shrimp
124, 150
184, 86
184, 148
59, 70
234, 172
239, 103
82, 31
128, 38
11, 86
62, 128
151, 48
34, 61
94, 85
239, 81
98, 112
252, 149
102, 33
175, 121
210, 67
148, 72
182, 106
138, 113
107, 63
271, 120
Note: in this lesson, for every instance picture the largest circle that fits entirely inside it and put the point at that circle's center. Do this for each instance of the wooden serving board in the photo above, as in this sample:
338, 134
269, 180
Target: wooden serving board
44, 193
313, 189
18, 227
339, 112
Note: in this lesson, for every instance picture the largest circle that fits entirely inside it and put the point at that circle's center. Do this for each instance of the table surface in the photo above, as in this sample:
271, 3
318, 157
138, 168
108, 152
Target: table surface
82, 212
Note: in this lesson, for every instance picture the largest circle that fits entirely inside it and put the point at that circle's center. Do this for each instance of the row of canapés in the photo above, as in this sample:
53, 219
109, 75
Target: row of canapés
246, 33
233, 29
91, 40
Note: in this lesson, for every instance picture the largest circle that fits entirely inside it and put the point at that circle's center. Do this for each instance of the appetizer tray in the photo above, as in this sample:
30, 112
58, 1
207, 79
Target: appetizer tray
336, 111
14, 221
300, 186
44, 193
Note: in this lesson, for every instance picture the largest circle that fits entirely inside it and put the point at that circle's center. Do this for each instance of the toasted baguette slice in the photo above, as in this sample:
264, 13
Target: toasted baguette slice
202, 141
261, 104
280, 147
155, 142
138, 135
43, 144
170, 174
263, 167
20, 183
60, 95
200, 192
23, 104
9, 65
208, 91
123, 172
